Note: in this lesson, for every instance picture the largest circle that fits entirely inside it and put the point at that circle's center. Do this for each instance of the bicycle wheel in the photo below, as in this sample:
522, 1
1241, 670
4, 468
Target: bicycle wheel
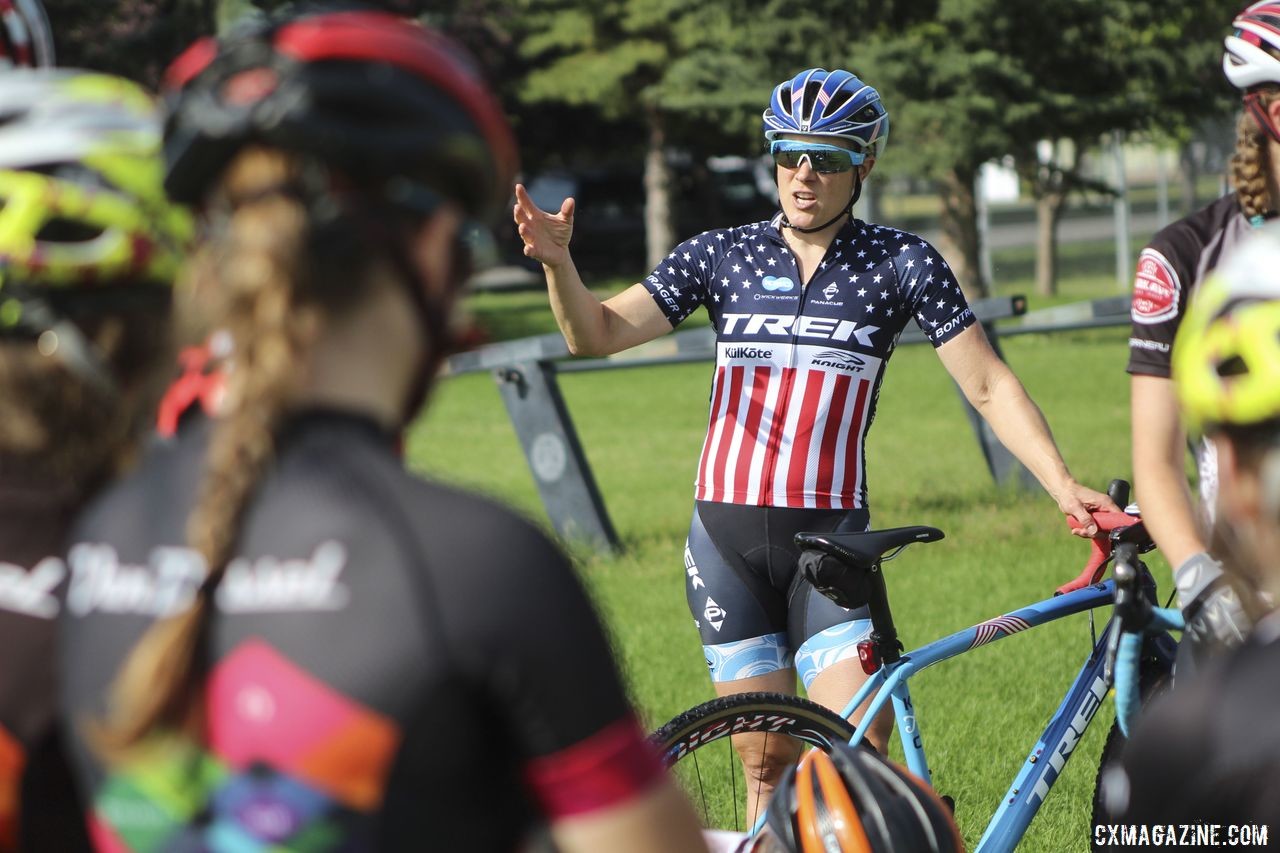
1152, 682
697, 746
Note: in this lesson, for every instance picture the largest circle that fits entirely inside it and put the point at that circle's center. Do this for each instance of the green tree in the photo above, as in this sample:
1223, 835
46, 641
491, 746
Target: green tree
132, 38
693, 73
968, 81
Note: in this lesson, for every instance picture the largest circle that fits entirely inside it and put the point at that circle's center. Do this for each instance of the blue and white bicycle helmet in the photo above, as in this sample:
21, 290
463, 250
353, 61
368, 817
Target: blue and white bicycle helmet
818, 102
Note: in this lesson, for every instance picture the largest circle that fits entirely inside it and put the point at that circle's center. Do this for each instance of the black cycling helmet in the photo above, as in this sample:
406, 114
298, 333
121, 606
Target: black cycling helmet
854, 800
376, 96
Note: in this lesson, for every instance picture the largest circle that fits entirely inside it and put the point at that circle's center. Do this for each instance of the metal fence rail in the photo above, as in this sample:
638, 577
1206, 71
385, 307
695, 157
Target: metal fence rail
525, 371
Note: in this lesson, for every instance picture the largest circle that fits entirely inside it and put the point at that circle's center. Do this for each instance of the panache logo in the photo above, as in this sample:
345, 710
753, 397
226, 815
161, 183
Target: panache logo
830, 290
839, 360
782, 283
270, 584
713, 613
747, 352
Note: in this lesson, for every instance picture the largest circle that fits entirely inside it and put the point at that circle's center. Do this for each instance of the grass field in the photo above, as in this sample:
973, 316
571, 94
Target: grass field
642, 430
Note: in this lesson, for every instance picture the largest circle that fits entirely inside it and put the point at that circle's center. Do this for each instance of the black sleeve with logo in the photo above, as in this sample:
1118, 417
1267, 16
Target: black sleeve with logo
1169, 270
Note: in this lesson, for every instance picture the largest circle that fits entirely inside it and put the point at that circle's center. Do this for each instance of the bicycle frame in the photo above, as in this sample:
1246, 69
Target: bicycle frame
1044, 763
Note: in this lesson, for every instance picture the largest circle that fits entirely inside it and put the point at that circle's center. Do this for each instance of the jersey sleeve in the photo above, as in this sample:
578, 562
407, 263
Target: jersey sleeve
681, 282
931, 292
532, 639
1156, 313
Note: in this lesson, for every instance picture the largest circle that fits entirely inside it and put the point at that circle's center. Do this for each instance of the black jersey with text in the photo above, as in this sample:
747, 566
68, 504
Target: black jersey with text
392, 664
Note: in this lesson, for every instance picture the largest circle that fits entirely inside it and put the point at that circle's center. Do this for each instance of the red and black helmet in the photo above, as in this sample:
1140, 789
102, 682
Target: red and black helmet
374, 95
856, 800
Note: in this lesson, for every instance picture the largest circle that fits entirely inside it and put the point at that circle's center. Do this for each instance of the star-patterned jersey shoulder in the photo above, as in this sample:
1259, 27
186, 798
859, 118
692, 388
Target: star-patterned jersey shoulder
799, 364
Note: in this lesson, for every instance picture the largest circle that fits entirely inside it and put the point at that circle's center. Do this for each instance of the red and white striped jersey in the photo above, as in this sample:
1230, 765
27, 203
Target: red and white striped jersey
798, 367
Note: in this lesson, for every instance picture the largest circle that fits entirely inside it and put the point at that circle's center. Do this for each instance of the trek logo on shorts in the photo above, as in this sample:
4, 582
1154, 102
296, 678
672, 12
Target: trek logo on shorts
1155, 289
691, 569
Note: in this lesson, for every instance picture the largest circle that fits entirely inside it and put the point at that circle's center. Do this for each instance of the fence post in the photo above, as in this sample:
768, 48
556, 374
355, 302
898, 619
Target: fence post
550, 442
1124, 267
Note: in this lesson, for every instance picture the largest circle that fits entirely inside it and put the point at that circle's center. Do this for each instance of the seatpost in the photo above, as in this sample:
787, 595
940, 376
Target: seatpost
883, 633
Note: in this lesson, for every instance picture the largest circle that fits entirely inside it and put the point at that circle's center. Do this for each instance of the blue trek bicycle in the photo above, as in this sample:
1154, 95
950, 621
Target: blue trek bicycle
847, 567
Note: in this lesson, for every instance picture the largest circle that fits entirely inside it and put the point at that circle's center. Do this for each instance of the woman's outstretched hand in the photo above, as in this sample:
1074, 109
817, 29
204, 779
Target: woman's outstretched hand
545, 235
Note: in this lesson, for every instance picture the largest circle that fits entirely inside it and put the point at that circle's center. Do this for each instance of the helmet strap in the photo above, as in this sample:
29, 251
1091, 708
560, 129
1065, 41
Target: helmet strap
843, 214
1253, 102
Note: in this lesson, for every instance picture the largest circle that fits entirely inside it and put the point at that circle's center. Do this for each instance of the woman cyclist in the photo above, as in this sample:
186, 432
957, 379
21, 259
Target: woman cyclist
1170, 271
1211, 752
346, 657
89, 246
807, 308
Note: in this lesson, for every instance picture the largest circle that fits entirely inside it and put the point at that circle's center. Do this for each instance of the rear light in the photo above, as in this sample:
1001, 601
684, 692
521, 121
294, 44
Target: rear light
869, 656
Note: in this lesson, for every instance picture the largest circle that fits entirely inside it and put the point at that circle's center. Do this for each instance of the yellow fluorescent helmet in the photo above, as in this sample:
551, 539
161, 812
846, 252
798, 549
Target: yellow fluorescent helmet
1226, 358
81, 194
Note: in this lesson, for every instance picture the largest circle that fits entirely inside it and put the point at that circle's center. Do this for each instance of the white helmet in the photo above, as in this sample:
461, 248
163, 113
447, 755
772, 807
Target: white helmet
1253, 50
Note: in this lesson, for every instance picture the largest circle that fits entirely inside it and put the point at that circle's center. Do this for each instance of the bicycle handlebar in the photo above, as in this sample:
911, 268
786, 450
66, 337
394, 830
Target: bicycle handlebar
1101, 547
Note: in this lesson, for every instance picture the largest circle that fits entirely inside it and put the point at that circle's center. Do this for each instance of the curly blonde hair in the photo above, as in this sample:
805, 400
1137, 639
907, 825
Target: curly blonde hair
1250, 164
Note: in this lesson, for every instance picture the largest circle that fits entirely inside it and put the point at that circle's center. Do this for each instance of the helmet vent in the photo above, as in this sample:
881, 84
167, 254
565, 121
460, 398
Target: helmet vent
67, 231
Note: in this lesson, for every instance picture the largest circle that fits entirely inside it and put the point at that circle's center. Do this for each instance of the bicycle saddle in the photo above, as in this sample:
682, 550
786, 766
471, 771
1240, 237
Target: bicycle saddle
864, 550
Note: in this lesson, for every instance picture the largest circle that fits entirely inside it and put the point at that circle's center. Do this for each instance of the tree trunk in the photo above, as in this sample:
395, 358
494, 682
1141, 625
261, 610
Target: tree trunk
959, 244
658, 229
1048, 211
1190, 174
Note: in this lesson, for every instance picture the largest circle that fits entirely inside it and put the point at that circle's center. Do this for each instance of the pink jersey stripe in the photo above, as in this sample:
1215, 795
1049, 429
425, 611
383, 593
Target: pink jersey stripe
827, 456
799, 463
775, 435
751, 427
849, 492
718, 395
728, 425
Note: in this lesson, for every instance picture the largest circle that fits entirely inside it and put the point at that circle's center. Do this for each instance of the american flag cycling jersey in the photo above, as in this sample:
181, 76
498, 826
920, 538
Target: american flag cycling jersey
798, 367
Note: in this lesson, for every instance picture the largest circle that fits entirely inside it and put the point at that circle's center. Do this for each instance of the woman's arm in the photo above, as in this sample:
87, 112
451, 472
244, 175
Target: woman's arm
589, 326
1001, 399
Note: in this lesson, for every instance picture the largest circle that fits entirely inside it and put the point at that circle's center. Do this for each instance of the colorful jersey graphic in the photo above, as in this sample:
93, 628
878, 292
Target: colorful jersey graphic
798, 366
291, 764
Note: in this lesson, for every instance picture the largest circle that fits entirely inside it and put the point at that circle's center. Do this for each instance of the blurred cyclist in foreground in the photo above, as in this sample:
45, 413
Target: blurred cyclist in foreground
1211, 750
89, 247
345, 657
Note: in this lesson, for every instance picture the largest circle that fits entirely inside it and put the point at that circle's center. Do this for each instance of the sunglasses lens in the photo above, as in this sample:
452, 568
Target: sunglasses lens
830, 161
826, 160
788, 159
